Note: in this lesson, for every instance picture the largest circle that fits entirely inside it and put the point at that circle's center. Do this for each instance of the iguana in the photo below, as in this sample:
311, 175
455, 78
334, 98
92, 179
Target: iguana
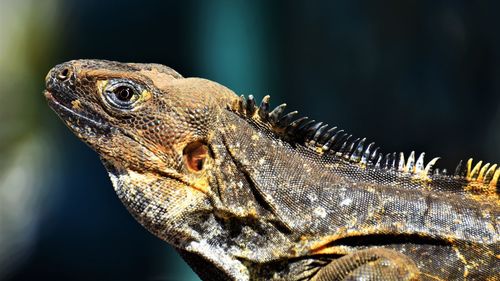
246, 192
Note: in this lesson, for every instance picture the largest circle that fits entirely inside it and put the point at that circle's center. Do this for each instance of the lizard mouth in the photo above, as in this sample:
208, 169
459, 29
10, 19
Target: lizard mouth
75, 120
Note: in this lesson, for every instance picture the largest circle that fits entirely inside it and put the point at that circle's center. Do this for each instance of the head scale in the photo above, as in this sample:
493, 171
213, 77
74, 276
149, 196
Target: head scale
150, 127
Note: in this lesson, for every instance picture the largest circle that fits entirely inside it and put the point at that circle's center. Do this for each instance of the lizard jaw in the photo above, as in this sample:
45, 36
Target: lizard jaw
72, 117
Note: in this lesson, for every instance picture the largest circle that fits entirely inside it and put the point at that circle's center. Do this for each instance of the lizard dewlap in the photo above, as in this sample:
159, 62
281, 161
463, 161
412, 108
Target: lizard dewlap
247, 192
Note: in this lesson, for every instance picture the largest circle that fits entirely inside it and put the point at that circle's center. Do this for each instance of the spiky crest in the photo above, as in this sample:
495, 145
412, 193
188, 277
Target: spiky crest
323, 139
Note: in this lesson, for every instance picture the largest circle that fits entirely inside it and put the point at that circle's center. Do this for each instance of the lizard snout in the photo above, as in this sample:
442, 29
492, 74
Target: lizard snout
60, 82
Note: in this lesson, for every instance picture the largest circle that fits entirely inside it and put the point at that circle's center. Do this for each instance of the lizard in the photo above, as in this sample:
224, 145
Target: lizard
244, 191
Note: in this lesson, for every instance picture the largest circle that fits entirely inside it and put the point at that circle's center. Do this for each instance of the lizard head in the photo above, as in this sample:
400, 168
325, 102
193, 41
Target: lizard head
150, 127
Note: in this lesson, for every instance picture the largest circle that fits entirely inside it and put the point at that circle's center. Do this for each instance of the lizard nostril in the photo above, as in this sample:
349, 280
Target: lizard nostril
64, 74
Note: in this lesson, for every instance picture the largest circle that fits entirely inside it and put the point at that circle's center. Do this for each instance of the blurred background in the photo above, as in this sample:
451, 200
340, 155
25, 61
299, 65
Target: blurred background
410, 75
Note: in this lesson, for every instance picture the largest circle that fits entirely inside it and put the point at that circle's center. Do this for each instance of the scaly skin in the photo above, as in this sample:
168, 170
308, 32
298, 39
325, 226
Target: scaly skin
244, 193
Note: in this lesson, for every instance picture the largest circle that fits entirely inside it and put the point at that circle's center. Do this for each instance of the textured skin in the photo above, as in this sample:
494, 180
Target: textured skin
243, 196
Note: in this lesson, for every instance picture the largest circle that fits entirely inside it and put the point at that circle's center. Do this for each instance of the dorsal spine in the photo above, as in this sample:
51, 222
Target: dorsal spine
324, 139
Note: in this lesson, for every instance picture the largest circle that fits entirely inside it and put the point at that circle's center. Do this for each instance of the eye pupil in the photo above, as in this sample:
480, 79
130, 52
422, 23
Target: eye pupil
124, 93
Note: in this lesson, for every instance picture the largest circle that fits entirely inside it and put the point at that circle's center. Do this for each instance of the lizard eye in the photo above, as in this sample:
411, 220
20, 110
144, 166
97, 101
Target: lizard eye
122, 95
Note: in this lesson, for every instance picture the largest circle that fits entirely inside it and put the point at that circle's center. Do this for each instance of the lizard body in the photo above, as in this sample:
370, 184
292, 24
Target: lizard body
244, 192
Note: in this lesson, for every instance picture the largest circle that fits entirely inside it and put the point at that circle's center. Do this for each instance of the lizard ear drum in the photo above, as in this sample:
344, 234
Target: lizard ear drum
195, 154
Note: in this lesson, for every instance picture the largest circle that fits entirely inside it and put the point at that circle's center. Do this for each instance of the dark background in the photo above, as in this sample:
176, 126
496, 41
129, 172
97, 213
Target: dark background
410, 75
